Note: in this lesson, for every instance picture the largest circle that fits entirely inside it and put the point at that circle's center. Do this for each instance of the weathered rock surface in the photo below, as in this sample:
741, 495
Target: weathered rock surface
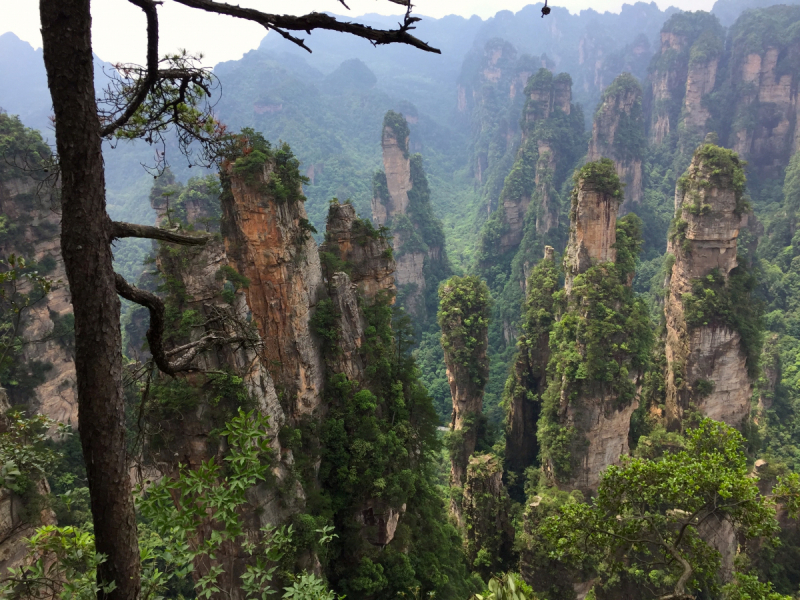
367, 253
266, 243
485, 508
593, 232
34, 213
710, 353
529, 377
618, 134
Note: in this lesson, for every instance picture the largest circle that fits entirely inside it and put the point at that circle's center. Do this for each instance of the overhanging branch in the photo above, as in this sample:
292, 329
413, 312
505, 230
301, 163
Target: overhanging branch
126, 230
155, 333
149, 8
282, 24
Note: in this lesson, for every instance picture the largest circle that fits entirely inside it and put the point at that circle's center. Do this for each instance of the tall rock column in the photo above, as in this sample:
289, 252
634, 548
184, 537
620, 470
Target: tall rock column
707, 358
593, 216
268, 241
528, 379
464, 319
618, 134
601, 343
401, 201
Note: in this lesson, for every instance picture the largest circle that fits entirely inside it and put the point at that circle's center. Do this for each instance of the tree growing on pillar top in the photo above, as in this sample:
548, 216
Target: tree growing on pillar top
145, 102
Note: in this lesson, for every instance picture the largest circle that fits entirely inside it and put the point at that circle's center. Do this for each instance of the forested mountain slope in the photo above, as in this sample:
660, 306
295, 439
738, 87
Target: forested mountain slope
575, 252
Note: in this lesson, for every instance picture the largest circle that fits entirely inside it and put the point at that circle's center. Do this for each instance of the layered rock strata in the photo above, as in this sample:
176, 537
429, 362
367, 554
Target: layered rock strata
266, 242
618, 134
593, 230
706, 365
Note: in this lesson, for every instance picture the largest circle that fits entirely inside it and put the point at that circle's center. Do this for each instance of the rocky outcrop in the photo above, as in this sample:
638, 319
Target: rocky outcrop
618, 134
682, 74
464, 319
593, 231
366, 257
266, 242
588, 405
706, 364
486, 509
47, 356
365, 251
401, 201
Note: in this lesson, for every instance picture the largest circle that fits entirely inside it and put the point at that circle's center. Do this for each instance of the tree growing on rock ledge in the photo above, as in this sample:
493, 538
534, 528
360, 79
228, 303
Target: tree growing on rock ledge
648, 527
166, 92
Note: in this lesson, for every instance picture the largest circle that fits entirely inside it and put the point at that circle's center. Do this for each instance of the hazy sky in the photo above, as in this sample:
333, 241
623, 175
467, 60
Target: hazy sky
118, 26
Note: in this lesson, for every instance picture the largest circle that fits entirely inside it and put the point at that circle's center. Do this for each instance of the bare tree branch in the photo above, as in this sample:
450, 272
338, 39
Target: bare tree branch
126, 230
155, 333
282, 24
149, 8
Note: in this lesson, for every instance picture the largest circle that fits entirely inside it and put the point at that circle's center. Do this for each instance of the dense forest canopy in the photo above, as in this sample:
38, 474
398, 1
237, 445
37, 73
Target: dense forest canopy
516, 320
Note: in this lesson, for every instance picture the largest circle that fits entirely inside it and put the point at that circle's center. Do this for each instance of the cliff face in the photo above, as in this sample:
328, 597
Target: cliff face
764, 81
706, 362
593, 231
367, 257
266, 242
464, 320
401, 200
599, 344
528, 379
490, 95
618, 134
682, 74
46, 366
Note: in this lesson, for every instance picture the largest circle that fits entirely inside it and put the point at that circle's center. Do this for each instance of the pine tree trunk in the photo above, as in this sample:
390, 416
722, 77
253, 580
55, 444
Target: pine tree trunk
85, 243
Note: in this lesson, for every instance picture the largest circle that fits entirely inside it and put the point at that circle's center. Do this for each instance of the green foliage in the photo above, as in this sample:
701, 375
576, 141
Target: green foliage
187, 522
25, 456
507, 587
464, 311
717, 301
602, 338
643, 525
717, 167
629, 138
274, 171
378, 451
21, 148
601, 176
399, 126
21, 287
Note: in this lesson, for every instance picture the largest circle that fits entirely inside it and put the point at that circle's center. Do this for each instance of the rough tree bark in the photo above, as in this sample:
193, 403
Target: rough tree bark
86, 232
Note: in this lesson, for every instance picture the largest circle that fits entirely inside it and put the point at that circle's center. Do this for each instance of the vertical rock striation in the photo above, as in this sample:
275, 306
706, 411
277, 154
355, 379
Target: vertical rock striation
618, 134
267, 240
682, 74
600, 344
401, 200
593, 231
528, 379
707, 366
